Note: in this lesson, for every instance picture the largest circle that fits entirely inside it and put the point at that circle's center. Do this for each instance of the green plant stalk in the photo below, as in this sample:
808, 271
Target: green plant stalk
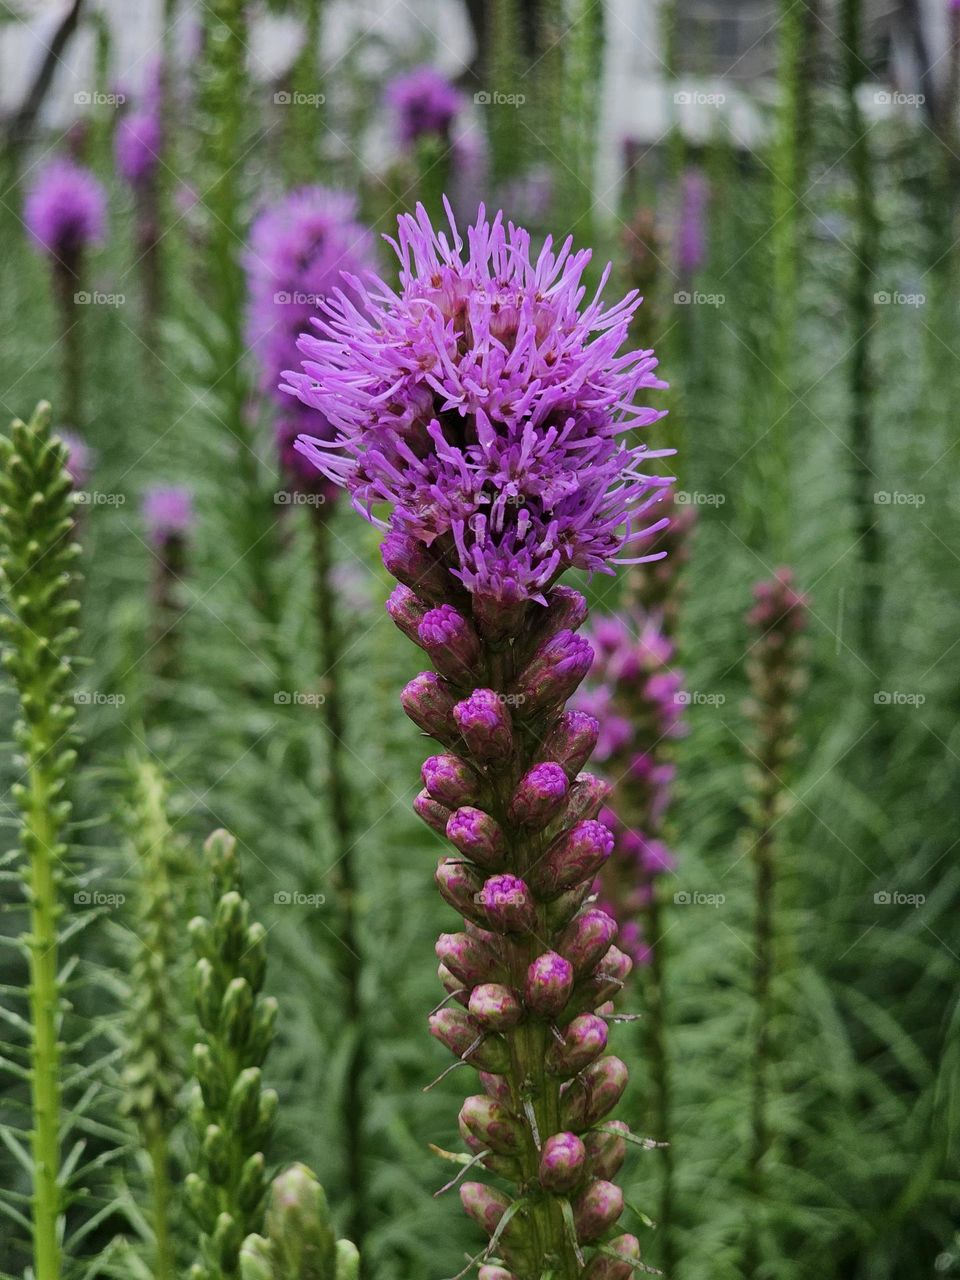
503, 76
158, 1153
66, 281
344, 842
764, 934
581, 116
655, 1026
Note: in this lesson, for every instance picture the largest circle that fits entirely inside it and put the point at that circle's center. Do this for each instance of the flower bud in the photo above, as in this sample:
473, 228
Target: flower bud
577, 855
459, 1033
450, 780
495, 1273
562, 1160
571, 741
566, 610
603, 1267
412, 563
548, 985
236, 1012
592, 1094
583, 1042
492, 1124
499, 611
497, 1087
555, 671
596, 1209
495, 1007
298, 1222
606, 1151
429, 702
484, 721
508, 905
616, 964
587, 796
347, 1260
467, 958
407, 611
477, 836
560, 911
484, 1205
434, 814
587, 938
255, 1259
453, 986
451, 642
459, 885
539, 795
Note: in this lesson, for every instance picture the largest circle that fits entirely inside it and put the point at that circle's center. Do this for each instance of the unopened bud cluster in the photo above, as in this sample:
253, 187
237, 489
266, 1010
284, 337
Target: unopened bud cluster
300, 1243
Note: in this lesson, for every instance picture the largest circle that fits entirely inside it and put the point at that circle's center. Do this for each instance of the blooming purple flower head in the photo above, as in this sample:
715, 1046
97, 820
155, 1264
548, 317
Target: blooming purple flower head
79, 458
298, 247
65, 210
425, 103
167, 513
692, 231
136, 147
487, 407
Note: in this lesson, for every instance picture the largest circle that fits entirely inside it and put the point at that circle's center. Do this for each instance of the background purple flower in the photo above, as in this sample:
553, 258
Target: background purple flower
65, 209
692, 227
137, 144
167, 512
424, 103
79, 458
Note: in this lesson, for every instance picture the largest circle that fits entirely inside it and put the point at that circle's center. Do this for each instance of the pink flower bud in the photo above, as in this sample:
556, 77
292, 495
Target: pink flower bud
496, 1087
603, 1267
596, 1209
508, 904
583, 1042
606, 1152
429, 703
587, 938
566, 610
548, 985
495, 1006
493, 1124
577, 855
570, 742
407, 611
435, 815
484, 1205
484, 721
616, 964
453, 985
495, 1273
412, 563
469, 959
591, 1095
539, 795
478, 837
450, 780
458, 1032
555, 671
587, 796
562, 1160
451, 642
459, 885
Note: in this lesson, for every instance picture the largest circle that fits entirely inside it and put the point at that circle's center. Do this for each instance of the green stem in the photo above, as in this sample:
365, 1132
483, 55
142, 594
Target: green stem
164, 1266
763, 943
66, 281
44, 1018
658, 1054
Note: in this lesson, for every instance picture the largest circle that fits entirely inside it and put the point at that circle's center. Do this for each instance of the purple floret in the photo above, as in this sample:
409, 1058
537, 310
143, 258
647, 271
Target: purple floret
136, 147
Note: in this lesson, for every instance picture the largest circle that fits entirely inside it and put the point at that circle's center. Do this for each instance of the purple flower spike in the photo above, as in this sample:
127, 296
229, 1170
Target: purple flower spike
451, 643
429, 703
603, 1267
137, 145
539, 795
556, 672
65, 210
167, 513
579, 854
562, 1160
477, 836
424, 103
450, 780
596, 1209
484, 721
508, 904
548, 985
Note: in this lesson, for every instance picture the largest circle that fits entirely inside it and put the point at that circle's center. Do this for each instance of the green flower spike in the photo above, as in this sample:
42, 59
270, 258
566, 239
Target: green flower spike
300, 1242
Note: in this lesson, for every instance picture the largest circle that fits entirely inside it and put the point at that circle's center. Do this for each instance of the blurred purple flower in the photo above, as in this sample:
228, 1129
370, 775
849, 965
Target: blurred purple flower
137, 144
79, 458
167, 513
424, 102
65, 210
692, 229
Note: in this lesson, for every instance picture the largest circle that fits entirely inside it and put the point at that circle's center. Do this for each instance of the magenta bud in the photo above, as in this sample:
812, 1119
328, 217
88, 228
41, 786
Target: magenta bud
577, 855
591, 1095
587, 938
566, 610
496, 1087
616, 965
469, 959
587, 796
539, 795
435, 815
484, 1205
484, 721
450, 780
429, 703
451, 642
548, 985
493, 1124
495, 1007
596, 1209
583, 1042
477, 836
412, 563
562, 1160
453, 985
458, 1032
495, 1273
571, 741
603, 1267
607, 1151
508, 905
407, 611
592, 993
555, 671
459, 885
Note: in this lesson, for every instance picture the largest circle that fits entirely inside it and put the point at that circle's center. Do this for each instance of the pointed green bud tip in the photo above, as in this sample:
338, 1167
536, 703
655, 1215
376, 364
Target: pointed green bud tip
298, 1224
256, 1259
348, 1260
